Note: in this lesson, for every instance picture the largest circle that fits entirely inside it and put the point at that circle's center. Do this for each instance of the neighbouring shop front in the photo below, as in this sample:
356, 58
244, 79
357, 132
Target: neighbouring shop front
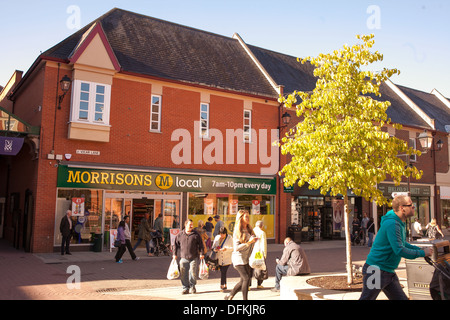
99, 198
445, 210
420, 196
321, 217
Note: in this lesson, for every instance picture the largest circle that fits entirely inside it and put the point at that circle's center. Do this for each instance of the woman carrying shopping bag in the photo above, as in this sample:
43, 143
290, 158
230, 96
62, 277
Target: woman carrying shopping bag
243, 238
223, 246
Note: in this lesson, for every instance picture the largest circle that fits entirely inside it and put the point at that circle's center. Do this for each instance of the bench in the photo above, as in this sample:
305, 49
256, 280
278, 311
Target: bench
296, 288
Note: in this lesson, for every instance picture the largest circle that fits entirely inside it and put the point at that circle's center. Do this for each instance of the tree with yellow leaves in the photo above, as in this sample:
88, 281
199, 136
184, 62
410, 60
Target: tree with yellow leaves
339, 145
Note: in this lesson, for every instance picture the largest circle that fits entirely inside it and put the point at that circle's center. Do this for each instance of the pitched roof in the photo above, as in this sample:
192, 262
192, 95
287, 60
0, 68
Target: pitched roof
399, 111
431, 105
157, 48
153, 47
286, 70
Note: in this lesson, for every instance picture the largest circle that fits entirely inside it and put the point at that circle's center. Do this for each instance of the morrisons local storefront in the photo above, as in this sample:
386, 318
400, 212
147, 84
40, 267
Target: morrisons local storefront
100, 197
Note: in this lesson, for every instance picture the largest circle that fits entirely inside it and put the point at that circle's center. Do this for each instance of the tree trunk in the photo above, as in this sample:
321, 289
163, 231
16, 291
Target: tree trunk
348, 240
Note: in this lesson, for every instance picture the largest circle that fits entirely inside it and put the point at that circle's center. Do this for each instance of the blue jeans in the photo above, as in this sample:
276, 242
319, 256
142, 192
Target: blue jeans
369, 244
188, 272
280, 271
147, 245
378, 280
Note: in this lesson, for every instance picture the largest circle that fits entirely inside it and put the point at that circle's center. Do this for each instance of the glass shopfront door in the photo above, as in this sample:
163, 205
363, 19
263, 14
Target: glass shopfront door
118, 204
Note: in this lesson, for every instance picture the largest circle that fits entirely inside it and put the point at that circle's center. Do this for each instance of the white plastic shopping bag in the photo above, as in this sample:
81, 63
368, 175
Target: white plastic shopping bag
256, 260
203, 272
173, 272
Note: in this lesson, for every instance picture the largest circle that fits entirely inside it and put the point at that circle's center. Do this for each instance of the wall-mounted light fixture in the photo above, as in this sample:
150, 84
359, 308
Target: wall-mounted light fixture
286, 118
426, 141
65, 86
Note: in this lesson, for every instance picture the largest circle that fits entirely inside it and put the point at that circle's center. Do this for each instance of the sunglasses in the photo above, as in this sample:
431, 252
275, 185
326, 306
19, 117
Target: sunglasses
408, 205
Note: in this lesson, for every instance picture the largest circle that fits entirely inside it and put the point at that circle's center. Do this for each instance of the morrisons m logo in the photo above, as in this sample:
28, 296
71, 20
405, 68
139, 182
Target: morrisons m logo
164, 181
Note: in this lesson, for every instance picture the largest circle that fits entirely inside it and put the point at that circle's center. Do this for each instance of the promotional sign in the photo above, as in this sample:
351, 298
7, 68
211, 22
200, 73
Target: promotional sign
77, 207
256, 207
112, 238
10, 146
209, 206
233, 205
173, 235
76, 178
338, 214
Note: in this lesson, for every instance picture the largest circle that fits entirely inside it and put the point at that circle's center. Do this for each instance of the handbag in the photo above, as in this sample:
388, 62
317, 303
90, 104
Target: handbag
117, 243
212, 261
173, 272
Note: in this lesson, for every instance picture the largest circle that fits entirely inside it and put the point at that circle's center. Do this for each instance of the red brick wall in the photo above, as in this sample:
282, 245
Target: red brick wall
131, 143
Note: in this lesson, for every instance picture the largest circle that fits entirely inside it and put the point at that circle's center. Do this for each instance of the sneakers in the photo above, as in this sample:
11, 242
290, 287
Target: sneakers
120, 261
275, 290
136, 259
191, 290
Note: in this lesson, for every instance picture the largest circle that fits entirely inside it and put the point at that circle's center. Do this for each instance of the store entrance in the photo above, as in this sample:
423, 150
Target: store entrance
117, 205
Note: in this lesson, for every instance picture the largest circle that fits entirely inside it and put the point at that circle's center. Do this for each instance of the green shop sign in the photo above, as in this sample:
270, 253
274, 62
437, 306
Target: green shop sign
78, 178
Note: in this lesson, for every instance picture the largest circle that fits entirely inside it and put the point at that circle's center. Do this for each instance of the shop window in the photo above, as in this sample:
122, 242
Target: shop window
445, 217
86, 206
91, 102
202, 206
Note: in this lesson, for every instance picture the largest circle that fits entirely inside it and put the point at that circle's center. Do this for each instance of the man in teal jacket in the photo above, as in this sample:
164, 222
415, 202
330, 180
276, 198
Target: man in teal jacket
389, 247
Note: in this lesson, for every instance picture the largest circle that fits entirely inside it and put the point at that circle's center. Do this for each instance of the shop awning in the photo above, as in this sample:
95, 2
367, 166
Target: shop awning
13, 132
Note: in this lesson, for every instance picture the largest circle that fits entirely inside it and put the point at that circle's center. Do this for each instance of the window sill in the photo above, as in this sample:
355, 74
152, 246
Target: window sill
89, 132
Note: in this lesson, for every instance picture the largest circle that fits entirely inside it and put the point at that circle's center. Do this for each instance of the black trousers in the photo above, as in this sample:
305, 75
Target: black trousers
65, 243
223, 275
124, 248
245, 273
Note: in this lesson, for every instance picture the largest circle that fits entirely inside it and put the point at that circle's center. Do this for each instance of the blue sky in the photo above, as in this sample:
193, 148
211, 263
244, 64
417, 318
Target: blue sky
414, 36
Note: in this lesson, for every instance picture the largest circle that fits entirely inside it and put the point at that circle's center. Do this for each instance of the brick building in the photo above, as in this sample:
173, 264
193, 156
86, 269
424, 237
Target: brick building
171, 120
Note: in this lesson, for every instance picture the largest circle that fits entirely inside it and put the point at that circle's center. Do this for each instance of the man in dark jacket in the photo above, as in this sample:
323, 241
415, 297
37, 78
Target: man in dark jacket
293, 262
189, 247
65, 227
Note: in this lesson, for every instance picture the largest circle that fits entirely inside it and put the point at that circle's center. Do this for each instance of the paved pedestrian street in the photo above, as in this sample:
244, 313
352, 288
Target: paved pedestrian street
50, 276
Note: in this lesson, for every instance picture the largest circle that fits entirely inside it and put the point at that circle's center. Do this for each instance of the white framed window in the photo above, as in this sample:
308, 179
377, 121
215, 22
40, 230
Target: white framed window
155, 114
91, 102
247, 126
412, 144
204, 120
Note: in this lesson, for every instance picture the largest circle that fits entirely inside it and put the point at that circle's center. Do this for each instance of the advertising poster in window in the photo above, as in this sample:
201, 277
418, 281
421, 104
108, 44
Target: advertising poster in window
338, 214
209, 206
78, 207
233, 205
173, 235
256, 207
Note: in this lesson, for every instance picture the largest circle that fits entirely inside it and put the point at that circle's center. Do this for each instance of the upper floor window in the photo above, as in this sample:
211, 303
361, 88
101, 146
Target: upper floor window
91, 102
247, 126
155, 114
412, 143
204, 120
